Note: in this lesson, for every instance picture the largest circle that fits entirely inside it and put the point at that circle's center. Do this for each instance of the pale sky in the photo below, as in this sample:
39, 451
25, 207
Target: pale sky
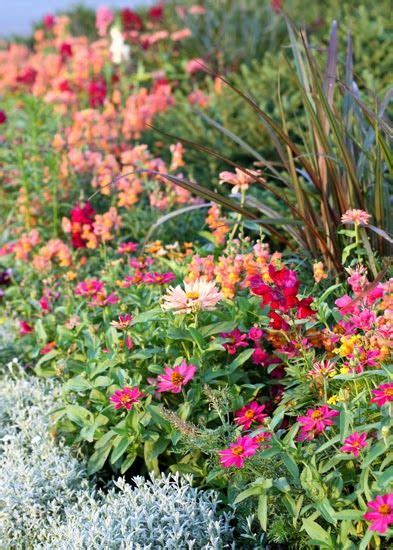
17, 16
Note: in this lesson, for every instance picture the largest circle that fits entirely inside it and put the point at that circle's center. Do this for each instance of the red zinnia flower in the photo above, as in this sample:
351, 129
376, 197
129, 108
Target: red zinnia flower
236, 339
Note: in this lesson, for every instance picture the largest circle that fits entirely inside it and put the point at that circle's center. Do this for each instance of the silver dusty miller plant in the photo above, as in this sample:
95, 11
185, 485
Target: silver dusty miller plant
47, 502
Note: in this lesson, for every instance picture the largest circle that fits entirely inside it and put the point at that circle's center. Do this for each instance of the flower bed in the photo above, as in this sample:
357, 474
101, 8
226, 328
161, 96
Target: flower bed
238, 330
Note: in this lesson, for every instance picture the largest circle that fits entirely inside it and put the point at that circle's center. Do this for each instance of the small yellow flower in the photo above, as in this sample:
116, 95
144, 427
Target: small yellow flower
333, 400
70, 275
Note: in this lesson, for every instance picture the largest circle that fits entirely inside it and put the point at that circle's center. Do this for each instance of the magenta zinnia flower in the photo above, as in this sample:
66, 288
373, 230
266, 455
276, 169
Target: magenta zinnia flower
236, 339
380, 513
356, 216
175, 378
316, 420
253, 412
383, 394
155, 278
354, 443
125, 397
236, 453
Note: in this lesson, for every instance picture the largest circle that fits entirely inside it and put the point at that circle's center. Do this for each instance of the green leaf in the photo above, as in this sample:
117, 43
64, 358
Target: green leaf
97, 460
240, 359
262, 510
251, 491
146, 316
78, 414
120, 448
316, 532
218, 328
78, 383
345, 421
291, 465
128, 462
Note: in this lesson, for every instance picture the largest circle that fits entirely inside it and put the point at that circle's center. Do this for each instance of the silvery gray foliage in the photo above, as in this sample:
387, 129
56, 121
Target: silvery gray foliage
37, 477
47, 503
165, 512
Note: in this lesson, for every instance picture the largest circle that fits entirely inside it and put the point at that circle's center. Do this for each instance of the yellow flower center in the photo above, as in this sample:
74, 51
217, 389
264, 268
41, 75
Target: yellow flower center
192, 295
176, 378
125, 399
388, 392
384, 509
316, 415
249, 414
237, 450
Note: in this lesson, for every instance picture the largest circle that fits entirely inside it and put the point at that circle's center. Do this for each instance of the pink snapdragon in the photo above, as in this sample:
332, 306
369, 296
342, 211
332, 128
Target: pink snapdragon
243, 447
380, 513
125, 398
104, 18
175, 378
354, 443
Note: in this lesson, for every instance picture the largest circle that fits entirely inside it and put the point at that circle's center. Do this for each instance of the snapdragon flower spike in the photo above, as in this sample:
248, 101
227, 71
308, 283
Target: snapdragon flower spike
354, 443
247, 415
281, 296
236, 339
380, 513
126, 397
315, 421
175, 378
243, 447
383, 394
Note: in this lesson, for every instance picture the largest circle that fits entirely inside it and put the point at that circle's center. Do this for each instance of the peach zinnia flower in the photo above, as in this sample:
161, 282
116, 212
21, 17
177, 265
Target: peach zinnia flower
196, 296
356, 216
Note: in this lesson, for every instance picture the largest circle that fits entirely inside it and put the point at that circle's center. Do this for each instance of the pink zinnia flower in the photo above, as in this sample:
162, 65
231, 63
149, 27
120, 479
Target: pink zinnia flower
263, 437
123, 323
380, 513
356, 216
316, 420
127, 247
25, 328
125, 397
155, 278
196, 296
175, 378
383, 394
195, 65
89, 287
253, 412
354, 443
236, 453
236, 339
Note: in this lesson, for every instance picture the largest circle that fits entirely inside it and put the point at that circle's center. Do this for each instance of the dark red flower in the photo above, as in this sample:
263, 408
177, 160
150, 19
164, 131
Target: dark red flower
80, 217
48, 21
276, 5
3, 117
277, 322
304, 309
64, 86
97, 92
131, 20
28, 76
156, 13
65, 50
